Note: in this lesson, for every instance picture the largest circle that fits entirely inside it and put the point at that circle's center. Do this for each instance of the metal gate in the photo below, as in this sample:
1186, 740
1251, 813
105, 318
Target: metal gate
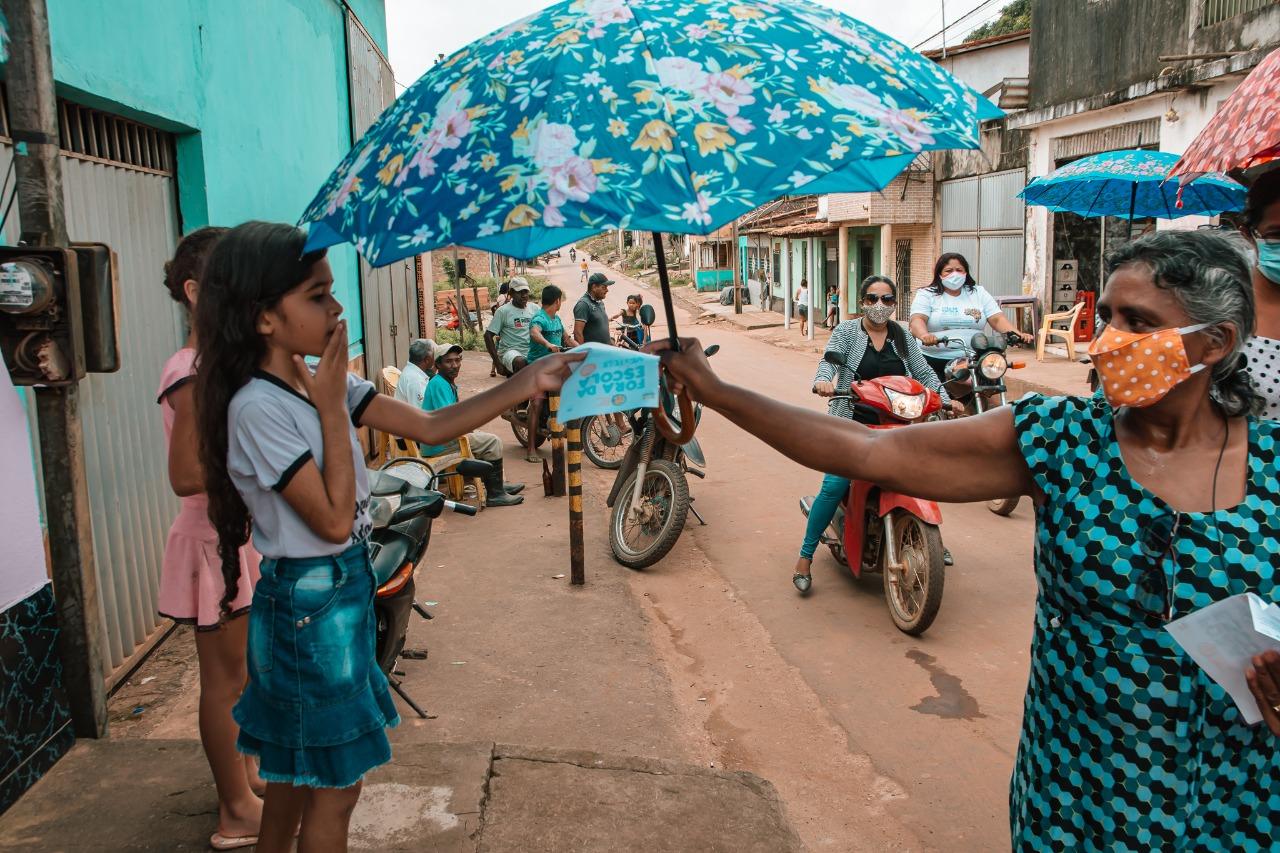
112, 198
983, 219
389, 295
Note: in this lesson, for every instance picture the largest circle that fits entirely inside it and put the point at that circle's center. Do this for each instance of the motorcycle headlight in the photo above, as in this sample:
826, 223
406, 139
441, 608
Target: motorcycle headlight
905, 406
993, 365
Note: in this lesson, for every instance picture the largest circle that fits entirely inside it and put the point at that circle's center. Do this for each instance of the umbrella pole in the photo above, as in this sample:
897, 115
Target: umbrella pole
661, 259
1133, 203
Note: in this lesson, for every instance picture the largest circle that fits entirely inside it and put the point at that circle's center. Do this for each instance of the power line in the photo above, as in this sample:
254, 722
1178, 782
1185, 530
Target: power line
952, 25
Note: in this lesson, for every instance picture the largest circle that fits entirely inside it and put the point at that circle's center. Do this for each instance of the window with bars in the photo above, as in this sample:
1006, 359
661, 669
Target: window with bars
902, 267
1216, 11
105, 138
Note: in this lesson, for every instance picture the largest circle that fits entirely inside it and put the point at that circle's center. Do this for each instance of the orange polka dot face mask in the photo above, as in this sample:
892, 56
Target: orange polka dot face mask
1139, 368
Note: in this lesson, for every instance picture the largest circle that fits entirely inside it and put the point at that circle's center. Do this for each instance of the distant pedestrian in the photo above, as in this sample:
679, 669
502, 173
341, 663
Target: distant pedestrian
583, 268
191, 584
833, 306
802, 305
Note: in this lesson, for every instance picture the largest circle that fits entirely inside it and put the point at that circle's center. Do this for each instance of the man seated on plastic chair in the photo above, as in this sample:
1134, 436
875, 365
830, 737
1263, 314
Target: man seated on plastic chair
417, 372
441, 392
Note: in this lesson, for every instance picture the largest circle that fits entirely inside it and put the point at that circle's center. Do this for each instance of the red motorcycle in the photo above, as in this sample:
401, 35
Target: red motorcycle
886, 532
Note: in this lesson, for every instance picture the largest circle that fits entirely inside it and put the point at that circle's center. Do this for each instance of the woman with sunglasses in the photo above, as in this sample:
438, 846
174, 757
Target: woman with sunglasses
1262, 230
871, 345
1126, 744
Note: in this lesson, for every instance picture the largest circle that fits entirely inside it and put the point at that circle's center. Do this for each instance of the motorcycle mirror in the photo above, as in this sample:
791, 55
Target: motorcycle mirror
980, 342
711, 350
474, 468
833, 358
647, 315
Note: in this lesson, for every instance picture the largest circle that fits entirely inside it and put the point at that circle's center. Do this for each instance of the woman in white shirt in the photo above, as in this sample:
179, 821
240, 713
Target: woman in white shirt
954, 304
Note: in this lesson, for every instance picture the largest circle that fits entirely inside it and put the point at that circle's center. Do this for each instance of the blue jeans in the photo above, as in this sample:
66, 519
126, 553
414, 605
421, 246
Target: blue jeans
823, 510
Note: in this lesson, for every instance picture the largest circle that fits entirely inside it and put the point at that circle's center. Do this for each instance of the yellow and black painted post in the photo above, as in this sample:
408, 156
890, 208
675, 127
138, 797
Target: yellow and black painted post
558, 486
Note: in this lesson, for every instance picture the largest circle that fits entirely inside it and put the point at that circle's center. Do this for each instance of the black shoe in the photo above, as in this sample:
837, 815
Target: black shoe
802, 582
513, 488
947, 559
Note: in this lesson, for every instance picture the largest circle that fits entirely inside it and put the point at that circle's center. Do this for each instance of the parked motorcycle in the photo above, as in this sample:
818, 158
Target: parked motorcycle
982, 388
876, 530
403, 503
650, 495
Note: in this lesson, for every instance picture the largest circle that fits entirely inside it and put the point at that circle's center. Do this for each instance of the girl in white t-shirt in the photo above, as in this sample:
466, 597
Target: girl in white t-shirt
956, 304
281, 456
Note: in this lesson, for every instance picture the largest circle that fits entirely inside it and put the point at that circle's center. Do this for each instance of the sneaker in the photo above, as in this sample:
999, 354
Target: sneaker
947, 559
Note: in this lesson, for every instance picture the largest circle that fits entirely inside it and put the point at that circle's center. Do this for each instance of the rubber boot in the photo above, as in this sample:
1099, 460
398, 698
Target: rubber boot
496, 495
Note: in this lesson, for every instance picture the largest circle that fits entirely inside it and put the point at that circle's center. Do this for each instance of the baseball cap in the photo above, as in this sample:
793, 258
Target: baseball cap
442, 352
518, 283
599, 278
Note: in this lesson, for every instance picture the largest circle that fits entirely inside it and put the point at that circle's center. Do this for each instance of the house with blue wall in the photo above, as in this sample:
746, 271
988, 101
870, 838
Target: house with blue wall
174, 115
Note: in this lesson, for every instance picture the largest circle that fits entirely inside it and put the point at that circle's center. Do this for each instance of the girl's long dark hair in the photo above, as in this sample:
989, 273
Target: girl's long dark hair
943, 260
250, 269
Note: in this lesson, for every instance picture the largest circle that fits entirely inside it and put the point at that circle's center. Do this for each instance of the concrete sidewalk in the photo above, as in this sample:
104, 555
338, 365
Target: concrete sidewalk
156, 795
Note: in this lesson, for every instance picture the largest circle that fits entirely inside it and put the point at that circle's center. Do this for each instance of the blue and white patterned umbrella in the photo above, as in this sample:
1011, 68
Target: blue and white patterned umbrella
1131, 185
658, 115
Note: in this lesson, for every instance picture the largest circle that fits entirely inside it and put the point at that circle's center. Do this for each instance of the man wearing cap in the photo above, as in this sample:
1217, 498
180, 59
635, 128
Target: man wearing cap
590, 318
507, 338
442, 392
412, 386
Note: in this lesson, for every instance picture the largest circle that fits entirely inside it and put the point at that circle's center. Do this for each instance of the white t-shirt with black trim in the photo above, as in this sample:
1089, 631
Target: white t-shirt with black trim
273, 431
1264, 368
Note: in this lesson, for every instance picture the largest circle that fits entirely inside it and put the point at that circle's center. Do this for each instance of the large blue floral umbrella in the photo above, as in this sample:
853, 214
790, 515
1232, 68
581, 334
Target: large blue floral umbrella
1132, 185
661, 115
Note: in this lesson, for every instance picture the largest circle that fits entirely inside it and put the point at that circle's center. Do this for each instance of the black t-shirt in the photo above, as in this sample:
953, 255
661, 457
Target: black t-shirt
883, 362
596, 318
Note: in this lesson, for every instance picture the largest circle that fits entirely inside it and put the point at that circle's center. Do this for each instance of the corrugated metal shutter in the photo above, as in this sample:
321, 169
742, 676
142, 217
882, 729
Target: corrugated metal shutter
984, 220
130, 501
133, 210
390, 293
1133, 134
960, 205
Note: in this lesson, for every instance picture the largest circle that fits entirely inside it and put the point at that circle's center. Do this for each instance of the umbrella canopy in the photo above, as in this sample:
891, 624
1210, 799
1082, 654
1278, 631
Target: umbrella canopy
1131, 185
1244, 133
659, 115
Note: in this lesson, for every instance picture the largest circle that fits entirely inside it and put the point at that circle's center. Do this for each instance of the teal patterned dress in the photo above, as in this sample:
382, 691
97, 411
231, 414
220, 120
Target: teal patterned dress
1126, 744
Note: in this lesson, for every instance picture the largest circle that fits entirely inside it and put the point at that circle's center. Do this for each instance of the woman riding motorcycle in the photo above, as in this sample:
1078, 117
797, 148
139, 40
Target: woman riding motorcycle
873, 345
953, 306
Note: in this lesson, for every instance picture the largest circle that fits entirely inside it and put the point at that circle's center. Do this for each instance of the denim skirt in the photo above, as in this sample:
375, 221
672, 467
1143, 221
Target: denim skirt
316, 708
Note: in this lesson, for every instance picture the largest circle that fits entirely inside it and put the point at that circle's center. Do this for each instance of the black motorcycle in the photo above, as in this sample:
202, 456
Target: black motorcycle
403, 503
977, 381
650, 495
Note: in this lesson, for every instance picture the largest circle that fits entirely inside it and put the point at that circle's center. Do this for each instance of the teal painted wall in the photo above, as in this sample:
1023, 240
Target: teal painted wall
256, 91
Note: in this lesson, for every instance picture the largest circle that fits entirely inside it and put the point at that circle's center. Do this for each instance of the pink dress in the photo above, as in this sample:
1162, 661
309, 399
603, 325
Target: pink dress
191, 584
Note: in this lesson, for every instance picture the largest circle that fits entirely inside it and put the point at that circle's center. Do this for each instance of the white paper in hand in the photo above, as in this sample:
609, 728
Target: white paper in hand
1224, 637
609, 379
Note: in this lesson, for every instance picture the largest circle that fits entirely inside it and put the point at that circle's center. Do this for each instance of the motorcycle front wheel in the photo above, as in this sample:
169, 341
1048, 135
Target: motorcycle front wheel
603, 443
642, 537
520, 428
1003, 506
913, 590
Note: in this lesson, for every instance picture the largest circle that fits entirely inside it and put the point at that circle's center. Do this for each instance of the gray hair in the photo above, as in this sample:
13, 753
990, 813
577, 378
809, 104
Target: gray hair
420, 350
1208, 273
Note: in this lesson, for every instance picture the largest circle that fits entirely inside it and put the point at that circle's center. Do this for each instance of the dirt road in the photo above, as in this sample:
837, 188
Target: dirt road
875, 740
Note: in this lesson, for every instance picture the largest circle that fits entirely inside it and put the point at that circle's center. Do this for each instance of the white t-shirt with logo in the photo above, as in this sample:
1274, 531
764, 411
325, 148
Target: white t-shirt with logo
272, 432
963, 315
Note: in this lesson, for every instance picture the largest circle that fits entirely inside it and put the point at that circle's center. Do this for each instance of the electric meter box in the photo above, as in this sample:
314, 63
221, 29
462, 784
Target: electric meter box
57, 313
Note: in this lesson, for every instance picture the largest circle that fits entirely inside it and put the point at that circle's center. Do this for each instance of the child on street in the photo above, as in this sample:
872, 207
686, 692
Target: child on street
191, 584
281, 455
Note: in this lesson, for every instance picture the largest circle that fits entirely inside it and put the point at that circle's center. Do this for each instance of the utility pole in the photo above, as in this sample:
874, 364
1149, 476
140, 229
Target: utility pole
737, 266
33, 113
944, 28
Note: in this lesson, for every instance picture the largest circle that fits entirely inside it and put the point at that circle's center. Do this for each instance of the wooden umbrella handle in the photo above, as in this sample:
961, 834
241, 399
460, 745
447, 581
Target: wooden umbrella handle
687, 423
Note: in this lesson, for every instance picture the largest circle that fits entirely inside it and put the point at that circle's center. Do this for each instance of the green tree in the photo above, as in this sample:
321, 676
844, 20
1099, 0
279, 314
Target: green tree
1014, 17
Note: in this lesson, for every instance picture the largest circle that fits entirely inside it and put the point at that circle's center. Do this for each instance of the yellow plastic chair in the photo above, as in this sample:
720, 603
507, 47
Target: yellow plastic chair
1068, 334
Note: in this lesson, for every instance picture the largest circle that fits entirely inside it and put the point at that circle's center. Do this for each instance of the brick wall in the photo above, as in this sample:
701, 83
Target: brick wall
924, 251
477, 262
895, 206
848, 207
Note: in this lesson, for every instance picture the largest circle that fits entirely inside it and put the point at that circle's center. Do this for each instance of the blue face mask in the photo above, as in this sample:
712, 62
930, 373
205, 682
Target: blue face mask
1269, 260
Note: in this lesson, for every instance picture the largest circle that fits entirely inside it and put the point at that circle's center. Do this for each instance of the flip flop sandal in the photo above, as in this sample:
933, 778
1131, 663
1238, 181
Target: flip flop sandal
218, 841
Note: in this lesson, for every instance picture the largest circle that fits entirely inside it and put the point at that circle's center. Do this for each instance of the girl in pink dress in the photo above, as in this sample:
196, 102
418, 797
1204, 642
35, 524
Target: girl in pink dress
191, 584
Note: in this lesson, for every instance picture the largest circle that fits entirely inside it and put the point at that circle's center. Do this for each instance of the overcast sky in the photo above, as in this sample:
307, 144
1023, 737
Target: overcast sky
417, 30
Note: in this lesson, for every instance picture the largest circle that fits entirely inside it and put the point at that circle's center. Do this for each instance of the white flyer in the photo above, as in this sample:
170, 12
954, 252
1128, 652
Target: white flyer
609, 379
1224, 637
